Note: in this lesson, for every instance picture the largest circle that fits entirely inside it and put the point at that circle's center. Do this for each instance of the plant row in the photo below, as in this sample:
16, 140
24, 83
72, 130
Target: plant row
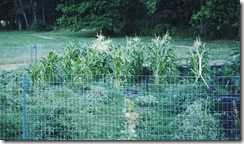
156, 58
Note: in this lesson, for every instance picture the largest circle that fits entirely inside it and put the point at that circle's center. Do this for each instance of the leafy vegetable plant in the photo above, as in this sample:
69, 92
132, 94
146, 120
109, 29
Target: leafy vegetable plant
147, 100
131, 121
196, 123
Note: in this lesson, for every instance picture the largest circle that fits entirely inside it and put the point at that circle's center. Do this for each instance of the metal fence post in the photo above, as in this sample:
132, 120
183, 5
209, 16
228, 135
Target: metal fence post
24, 86
35, 48
33, 53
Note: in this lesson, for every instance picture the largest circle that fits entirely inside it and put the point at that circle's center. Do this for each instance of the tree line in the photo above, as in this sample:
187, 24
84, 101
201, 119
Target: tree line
219, 19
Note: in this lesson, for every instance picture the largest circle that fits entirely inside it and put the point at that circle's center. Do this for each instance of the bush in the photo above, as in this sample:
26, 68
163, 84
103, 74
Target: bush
160, 28
40, 26
232, 69
182, 32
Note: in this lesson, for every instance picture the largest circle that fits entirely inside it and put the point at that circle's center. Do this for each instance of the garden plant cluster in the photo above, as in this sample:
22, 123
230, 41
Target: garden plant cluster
131, 91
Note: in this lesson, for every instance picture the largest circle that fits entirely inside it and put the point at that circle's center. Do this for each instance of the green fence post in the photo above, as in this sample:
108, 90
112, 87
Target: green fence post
24, 106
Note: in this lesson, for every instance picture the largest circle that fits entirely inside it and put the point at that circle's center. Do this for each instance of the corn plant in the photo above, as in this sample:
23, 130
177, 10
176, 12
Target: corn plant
76, 61
135, 52
88, 60
118, 66
198, 62
99, 56
71, 59
48, 68
127, 60
161, 57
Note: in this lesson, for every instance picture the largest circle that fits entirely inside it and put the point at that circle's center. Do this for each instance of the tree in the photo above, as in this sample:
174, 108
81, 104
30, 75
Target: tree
18, 16
24, 14
33, 7
21, 14
218, 18
112, 16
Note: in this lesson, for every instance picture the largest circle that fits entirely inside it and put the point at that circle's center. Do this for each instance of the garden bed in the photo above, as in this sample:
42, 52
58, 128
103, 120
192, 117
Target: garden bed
95, 109
131, 91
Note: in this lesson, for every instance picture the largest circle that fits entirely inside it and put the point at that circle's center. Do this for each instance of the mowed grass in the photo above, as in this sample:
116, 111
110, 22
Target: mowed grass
15, 46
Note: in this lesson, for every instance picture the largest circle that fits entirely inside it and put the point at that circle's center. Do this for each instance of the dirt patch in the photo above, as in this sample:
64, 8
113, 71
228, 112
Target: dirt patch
217, 62
10, 67
44, 37
182, 46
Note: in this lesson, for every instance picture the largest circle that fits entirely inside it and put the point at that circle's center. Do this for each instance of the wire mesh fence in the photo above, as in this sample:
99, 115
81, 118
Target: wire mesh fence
104, 107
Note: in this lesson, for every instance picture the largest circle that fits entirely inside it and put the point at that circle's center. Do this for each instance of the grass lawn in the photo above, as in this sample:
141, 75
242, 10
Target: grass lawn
15, 46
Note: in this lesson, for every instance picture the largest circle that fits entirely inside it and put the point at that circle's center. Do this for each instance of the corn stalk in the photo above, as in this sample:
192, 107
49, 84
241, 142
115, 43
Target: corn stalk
161, 58
196, 60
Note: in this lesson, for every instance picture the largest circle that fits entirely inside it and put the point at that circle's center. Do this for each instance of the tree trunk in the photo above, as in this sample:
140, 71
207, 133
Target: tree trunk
24, 15
33, 7
54, 12
19, 24
147, 23
18, 19
43, 11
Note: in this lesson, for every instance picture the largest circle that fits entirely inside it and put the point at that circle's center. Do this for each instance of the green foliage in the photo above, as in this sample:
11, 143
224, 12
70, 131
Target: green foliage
211, 18
233, 64
196, 123
127, 59
40, 26
10, 89
160, 28
103, 57
134, 49
74, 112
11, 106
232, 69
198, 63
11, 125
47, 69
100, 56
95, 110
178, 97
130, 122
147, 100
101, 15
161, 58
75, 60
151, 5
218, 18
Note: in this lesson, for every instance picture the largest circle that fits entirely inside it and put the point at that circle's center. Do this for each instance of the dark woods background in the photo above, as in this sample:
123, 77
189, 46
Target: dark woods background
212, 19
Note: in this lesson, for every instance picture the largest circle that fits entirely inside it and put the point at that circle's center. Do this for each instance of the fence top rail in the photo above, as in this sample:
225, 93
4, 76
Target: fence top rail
112, 75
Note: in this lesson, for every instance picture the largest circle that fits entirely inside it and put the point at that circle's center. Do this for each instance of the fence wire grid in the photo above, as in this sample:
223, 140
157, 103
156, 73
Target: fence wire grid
103, 107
